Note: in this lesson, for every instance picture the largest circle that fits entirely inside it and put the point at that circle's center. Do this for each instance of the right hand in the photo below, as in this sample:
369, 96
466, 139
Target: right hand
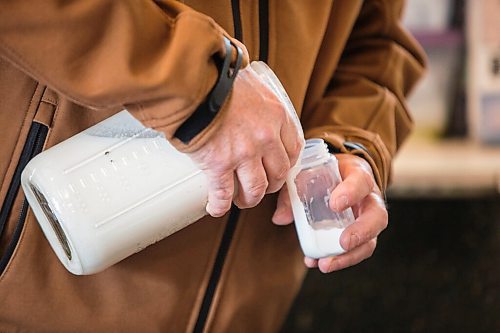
252, 150
358, 190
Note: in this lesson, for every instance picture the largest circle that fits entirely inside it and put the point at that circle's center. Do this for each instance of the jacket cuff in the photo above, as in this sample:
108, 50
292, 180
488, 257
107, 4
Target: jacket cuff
239, 59
367, 145
207, 110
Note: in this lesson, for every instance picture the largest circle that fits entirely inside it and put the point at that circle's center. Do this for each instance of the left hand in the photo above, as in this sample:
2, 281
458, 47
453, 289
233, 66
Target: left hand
359, 191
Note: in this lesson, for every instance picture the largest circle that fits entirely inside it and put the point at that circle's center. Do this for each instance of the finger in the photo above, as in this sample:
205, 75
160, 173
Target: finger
220, 193
283, 214
276, 164
310, 262
358, 183
351, 258
252, 183
372, 220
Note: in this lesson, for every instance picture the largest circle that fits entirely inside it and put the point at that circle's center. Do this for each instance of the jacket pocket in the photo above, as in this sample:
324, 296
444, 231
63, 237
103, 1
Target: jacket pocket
33, 145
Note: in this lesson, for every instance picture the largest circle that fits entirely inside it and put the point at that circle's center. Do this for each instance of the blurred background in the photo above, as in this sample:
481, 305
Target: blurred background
437, 266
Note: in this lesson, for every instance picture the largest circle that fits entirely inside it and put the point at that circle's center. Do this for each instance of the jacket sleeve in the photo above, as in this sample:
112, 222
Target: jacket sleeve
155, 58
365, 99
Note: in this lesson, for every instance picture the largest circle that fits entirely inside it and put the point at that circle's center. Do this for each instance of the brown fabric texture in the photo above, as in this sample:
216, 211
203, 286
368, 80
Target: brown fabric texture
346, 64
104, 54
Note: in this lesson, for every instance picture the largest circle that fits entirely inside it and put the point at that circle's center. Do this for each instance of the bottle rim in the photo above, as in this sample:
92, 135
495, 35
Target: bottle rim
315, 151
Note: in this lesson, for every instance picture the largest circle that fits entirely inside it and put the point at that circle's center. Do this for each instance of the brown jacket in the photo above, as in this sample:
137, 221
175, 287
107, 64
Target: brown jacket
65, 65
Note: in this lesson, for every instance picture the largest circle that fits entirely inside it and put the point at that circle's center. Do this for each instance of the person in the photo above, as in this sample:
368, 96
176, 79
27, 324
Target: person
65, 65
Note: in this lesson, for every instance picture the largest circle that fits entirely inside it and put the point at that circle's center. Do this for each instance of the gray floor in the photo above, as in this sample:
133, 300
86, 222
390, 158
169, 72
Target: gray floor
436, 269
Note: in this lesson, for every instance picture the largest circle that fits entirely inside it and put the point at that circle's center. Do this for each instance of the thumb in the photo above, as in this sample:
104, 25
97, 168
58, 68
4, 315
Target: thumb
283, 214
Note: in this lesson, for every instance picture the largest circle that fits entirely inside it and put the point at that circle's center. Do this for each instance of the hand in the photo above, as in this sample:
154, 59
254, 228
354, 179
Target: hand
359, 191
253, 150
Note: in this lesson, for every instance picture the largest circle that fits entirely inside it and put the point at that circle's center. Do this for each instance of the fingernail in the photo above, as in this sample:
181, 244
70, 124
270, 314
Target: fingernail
341, 203
353, 242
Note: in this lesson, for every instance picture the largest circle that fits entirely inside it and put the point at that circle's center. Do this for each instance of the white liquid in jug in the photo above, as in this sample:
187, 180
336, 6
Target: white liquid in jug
114, 196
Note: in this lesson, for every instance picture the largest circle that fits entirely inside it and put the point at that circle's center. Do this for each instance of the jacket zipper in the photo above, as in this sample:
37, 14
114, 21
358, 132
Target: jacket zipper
217, 269
235, 211
34, 145
238, 30
263, 30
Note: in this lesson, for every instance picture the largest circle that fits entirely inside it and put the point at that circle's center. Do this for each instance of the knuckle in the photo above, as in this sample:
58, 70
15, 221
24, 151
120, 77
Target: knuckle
223, 194
265, 135
246, 152
257, 190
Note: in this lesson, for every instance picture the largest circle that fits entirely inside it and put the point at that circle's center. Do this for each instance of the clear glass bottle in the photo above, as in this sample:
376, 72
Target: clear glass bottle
310, 187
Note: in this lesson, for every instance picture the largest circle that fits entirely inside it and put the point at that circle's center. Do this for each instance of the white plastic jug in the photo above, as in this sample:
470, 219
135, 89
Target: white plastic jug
110, 191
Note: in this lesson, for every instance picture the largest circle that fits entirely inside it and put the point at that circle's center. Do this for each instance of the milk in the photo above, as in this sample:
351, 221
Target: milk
110, 191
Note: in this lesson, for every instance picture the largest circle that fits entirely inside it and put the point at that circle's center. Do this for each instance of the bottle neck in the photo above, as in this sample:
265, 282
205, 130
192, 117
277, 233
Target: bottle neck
315, 152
